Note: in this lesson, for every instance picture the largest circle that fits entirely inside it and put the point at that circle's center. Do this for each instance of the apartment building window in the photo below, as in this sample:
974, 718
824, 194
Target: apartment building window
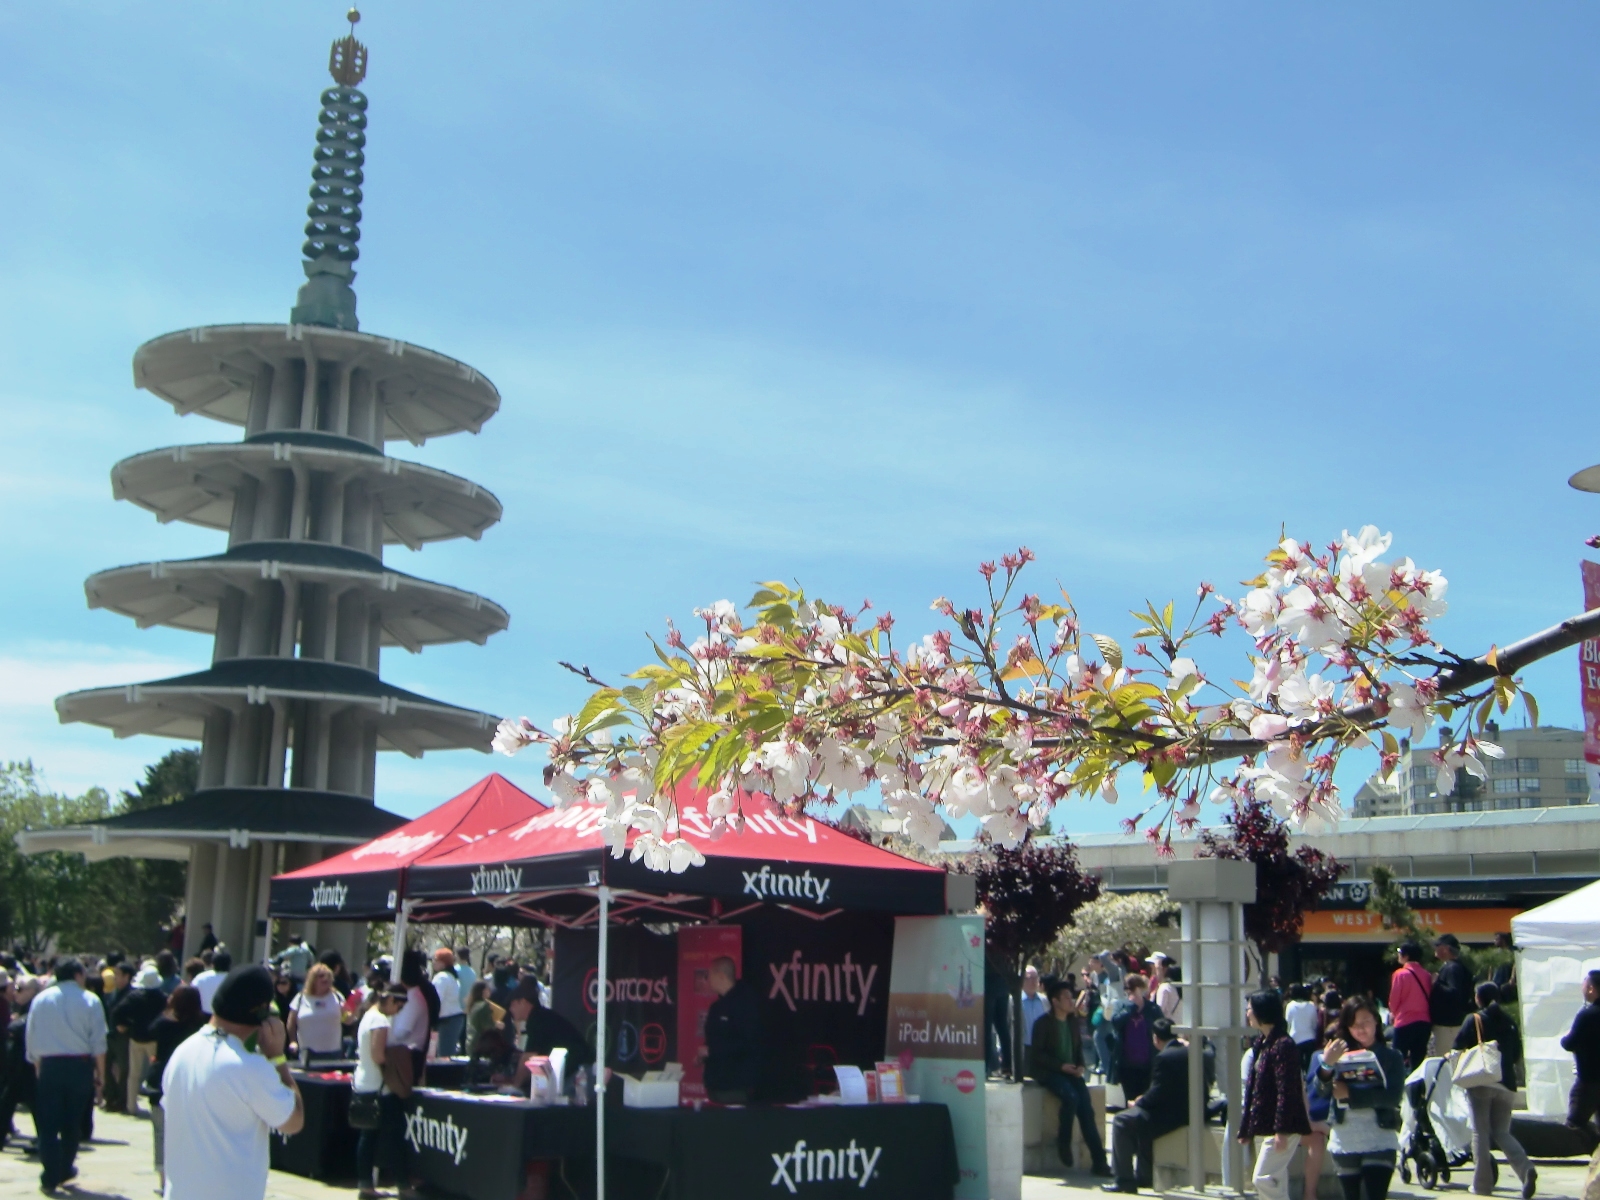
1530, 785
1577, 785
1574, 766
1423, 774
1505, 787
1419, 791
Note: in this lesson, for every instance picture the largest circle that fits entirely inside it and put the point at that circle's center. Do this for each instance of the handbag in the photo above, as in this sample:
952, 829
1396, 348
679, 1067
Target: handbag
398, 1076
1480, 1065
363, 1110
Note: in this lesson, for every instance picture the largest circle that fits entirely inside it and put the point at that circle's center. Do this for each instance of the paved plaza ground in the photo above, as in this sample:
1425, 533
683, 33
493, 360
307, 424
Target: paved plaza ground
116, 1166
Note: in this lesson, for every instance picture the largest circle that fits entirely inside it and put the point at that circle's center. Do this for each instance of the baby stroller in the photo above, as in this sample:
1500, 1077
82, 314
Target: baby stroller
1436, 1130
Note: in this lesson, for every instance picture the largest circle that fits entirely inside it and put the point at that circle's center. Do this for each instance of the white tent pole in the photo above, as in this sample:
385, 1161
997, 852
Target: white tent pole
600, 1055
399, 949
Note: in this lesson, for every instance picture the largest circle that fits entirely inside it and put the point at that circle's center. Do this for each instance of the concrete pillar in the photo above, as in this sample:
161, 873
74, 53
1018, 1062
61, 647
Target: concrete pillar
260, 400
233, 914
283, 408
241, 527
214, 749
308, 390
198, 895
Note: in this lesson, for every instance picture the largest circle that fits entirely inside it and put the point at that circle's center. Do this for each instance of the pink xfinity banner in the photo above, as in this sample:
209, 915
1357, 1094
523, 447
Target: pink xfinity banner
698, 947
1589, 667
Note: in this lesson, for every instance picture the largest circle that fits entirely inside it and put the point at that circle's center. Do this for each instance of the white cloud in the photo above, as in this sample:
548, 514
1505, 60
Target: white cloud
34, 674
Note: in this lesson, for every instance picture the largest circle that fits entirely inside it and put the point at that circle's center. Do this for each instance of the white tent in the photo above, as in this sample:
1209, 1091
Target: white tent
1556, 944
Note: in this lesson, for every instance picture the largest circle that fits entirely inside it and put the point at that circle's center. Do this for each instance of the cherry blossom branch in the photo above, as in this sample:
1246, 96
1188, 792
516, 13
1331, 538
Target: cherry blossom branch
798, 702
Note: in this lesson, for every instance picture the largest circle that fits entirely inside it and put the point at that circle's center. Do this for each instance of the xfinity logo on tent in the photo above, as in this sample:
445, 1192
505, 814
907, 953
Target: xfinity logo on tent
446, 1136
767, 883
328, 895
824, 1166
496, 879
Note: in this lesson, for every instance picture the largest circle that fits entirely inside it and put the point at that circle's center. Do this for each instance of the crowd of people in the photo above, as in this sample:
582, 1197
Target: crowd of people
203, 1048
1323, 1070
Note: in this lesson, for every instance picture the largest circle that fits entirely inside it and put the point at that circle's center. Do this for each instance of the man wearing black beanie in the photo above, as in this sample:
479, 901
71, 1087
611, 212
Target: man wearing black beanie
224, 1090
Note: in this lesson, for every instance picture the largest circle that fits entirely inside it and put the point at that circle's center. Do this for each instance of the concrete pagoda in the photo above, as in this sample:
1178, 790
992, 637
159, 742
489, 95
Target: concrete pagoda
292, 710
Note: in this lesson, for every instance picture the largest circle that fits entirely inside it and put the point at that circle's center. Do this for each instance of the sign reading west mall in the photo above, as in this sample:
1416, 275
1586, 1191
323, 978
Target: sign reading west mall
1479, 924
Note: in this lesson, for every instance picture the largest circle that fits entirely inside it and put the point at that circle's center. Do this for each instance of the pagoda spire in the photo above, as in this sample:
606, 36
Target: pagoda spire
333, 229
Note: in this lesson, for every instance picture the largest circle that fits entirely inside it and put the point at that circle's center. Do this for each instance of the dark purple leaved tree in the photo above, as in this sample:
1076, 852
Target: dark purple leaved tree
1028, 896
1288, 885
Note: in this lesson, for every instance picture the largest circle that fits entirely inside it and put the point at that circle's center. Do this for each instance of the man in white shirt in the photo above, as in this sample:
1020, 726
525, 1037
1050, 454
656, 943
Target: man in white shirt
207, 982
222, 1099
1034, 1005
66, 1038
452, 1017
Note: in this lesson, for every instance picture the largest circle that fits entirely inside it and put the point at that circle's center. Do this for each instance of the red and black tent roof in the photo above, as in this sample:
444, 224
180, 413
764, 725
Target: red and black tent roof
547, 867
368, 882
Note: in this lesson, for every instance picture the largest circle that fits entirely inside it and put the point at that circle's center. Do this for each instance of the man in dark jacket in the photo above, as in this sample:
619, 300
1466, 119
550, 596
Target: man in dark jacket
133, 1018
116, 1089
1163, 1108
1057, 1063
1583, 1043
531, 1028
733, 1036
1451, 998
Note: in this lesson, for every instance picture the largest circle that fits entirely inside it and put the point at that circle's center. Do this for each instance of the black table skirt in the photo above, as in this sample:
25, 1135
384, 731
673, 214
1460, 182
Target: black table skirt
477, 1149
326, 1147
891, 1150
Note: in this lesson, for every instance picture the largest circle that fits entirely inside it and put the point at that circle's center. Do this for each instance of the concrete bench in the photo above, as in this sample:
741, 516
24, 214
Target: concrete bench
1171, 1153
1041, 1122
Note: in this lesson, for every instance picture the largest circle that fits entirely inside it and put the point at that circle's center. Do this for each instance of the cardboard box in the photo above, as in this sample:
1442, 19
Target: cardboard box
654, 1094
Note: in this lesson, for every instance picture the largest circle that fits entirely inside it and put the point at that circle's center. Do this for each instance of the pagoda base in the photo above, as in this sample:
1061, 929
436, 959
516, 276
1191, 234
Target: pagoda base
229, 887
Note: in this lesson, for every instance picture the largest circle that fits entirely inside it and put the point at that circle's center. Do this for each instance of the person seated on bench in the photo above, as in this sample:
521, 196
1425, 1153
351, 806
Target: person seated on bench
1163, 1107
1057, 1063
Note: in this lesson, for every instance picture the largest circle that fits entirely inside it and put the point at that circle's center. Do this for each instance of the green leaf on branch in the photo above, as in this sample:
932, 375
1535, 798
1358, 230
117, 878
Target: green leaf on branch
1110, 649
603, 701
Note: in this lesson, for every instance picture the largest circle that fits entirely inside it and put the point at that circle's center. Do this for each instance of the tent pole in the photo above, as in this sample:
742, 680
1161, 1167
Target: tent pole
600, 1055
400, 920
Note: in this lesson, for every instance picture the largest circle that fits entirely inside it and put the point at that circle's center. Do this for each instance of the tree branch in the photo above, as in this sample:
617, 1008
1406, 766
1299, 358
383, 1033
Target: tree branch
1450, 680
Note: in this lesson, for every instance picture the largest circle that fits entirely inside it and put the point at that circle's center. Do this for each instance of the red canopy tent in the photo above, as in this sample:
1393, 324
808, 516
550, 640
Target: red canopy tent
552, 867
369, 882
547, 869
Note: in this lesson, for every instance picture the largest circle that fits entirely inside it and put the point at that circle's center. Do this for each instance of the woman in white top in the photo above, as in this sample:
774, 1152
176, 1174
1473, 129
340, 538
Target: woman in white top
1303, 1016
372, 1045
452, 1016
1164, 992
316, 1017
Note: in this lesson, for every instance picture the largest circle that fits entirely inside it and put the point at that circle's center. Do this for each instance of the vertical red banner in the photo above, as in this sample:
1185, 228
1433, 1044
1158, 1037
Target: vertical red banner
1589, 666
698, 947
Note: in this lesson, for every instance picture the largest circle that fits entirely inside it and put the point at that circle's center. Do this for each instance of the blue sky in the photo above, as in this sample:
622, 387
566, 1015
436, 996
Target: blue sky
857, 295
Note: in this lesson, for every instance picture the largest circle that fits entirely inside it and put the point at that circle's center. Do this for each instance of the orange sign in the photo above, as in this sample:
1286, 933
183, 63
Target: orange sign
1358, 923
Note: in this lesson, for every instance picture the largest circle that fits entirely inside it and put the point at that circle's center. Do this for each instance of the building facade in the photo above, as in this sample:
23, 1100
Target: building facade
1542, 768
1466, 873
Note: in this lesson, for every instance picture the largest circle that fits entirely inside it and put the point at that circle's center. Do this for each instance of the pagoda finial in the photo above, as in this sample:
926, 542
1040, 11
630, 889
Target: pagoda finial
334, 227
347, 61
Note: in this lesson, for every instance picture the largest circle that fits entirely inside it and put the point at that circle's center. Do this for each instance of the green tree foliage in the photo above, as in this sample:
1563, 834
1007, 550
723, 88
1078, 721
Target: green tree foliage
62, 899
